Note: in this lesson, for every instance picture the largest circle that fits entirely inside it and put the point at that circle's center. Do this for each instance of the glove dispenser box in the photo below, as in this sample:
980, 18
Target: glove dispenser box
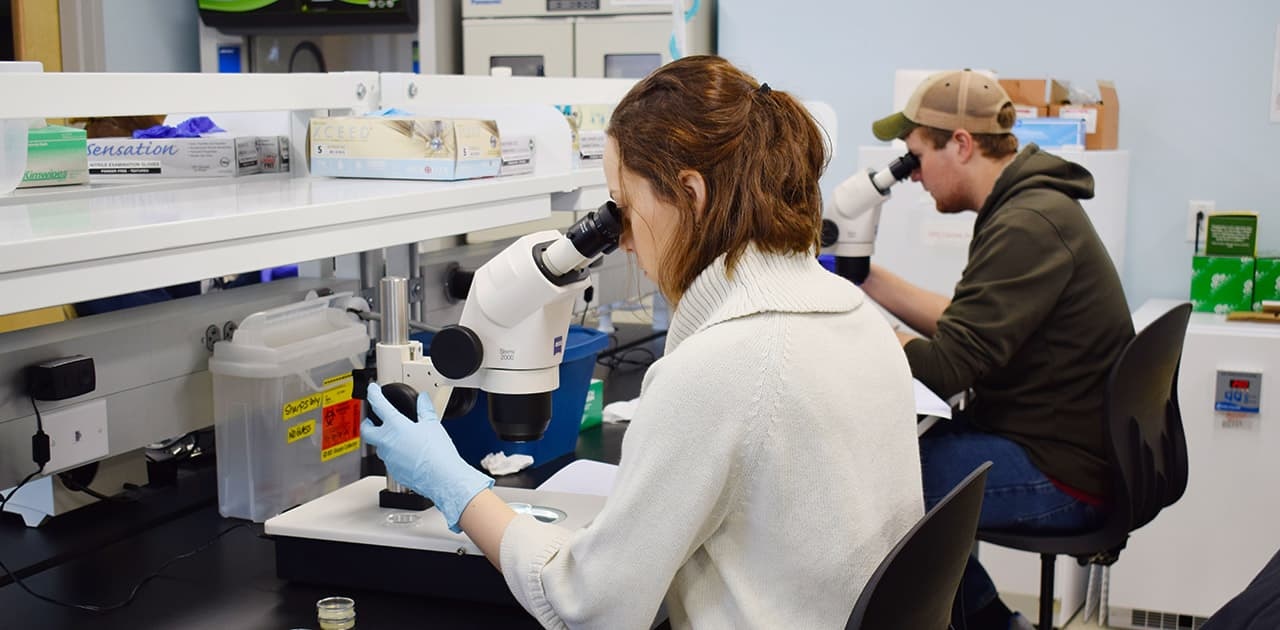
286, 427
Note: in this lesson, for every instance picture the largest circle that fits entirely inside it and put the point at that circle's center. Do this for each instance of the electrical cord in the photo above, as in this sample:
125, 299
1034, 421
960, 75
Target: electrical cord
310, 48
94, 608
618, 356
40, 453
39, 441
75, 486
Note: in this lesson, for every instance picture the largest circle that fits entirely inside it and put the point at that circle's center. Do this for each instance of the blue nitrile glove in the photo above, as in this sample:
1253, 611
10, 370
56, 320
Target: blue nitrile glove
420, 455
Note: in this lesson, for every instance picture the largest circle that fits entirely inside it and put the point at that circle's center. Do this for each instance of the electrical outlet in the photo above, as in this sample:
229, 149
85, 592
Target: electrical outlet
77, 434
1195, 207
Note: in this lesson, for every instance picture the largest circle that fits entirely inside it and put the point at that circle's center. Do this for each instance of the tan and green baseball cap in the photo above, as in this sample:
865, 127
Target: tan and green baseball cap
957, 99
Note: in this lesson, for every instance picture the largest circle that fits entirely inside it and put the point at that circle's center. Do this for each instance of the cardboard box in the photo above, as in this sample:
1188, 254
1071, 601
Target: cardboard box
38, 317
55, 157
517, 155
273, 153
208, 156
1031, 111
587, 123
1266, 280
404, 147
1222, 284
1031, 92
1231, 234
1102, 119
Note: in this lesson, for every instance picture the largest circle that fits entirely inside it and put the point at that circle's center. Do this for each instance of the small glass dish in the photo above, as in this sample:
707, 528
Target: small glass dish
336, 613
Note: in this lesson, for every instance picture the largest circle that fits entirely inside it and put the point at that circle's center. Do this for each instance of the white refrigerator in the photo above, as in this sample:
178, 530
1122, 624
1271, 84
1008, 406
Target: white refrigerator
1203, 550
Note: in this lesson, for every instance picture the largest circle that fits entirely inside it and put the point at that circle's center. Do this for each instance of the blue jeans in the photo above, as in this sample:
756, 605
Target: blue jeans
1018, 495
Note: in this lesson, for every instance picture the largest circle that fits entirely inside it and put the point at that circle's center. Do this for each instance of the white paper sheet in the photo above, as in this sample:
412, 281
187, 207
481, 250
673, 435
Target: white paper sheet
929, 403
583, 476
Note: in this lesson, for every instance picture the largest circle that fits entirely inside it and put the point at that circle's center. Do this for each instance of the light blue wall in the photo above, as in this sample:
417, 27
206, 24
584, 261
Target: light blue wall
150, 36
1193, 78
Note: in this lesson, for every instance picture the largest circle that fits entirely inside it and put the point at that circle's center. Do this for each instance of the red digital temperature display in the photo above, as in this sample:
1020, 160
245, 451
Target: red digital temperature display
1239, 383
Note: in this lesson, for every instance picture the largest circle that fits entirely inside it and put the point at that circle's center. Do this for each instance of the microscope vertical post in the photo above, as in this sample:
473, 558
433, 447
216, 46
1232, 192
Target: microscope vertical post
393, 294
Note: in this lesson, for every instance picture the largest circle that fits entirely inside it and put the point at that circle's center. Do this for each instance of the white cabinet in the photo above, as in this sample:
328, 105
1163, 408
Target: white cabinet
531, 47
583, 38
623, 46
1203, 550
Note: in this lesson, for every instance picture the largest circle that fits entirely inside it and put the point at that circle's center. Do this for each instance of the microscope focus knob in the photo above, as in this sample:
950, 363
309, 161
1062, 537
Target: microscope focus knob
401, 396
456, 352
830, 233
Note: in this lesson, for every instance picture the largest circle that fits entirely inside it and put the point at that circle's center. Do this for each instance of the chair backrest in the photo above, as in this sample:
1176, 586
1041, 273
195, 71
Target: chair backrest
1148, 447
915, 585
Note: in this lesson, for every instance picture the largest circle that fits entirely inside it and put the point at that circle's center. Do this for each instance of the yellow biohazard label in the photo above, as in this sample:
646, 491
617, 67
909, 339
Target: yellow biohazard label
339, 393
340, 450
345, 376
301, 431
295, 408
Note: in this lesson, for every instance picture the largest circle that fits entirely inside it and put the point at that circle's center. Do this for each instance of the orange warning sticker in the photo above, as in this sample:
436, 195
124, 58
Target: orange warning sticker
340, 429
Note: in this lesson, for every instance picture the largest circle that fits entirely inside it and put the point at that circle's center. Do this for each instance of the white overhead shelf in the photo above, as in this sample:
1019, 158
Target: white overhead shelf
69, 244
588, 190
70, 94
67, 249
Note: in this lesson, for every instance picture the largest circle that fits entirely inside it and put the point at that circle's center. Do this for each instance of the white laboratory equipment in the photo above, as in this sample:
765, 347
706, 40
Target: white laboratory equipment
583, 38
1203, 550
420, 36
930, 249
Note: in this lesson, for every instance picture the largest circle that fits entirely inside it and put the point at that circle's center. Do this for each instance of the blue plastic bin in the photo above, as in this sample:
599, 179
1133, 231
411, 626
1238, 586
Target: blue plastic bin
474, 437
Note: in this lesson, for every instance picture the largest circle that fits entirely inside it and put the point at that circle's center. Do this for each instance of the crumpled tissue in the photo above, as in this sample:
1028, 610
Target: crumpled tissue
620, 411
502, 464
190, 128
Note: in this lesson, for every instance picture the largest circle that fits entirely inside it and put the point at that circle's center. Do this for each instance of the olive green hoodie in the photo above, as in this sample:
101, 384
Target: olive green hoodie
1036, 322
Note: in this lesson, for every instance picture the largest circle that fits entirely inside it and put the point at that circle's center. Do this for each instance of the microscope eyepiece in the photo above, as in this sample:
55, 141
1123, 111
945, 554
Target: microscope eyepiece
598, 232
902, 167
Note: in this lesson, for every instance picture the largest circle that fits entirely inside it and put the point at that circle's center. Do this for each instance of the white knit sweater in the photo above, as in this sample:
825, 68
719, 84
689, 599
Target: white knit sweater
770, 466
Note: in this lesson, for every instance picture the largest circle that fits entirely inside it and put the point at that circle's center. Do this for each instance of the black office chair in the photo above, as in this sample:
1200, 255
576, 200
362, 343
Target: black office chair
1148, 454
916, 584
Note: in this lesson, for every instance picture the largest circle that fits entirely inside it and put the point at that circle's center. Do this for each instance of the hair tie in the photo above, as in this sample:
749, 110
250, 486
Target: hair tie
765, 89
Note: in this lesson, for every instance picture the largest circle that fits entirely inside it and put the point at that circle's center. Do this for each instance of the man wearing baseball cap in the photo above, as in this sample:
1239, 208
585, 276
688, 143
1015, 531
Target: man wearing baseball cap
1036, 322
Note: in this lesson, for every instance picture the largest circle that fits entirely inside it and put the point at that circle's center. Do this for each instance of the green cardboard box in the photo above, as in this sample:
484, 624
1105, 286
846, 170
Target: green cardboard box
1266, 280
55, 157
1221, 284
593, 410
1231, 234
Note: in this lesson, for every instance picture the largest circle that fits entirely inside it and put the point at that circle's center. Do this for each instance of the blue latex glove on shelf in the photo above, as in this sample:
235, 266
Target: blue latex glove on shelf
421, 456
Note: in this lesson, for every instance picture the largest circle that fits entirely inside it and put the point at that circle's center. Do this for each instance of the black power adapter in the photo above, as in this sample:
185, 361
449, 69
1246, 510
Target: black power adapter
62, 378
56, 379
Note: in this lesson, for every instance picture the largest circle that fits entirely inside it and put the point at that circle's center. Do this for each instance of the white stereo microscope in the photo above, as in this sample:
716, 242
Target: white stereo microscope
853, 216
378, 534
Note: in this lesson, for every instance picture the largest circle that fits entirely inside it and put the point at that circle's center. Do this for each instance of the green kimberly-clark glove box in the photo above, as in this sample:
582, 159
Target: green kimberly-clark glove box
1231, 234
1221, 284
1266, 280
593, 410
55, 156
